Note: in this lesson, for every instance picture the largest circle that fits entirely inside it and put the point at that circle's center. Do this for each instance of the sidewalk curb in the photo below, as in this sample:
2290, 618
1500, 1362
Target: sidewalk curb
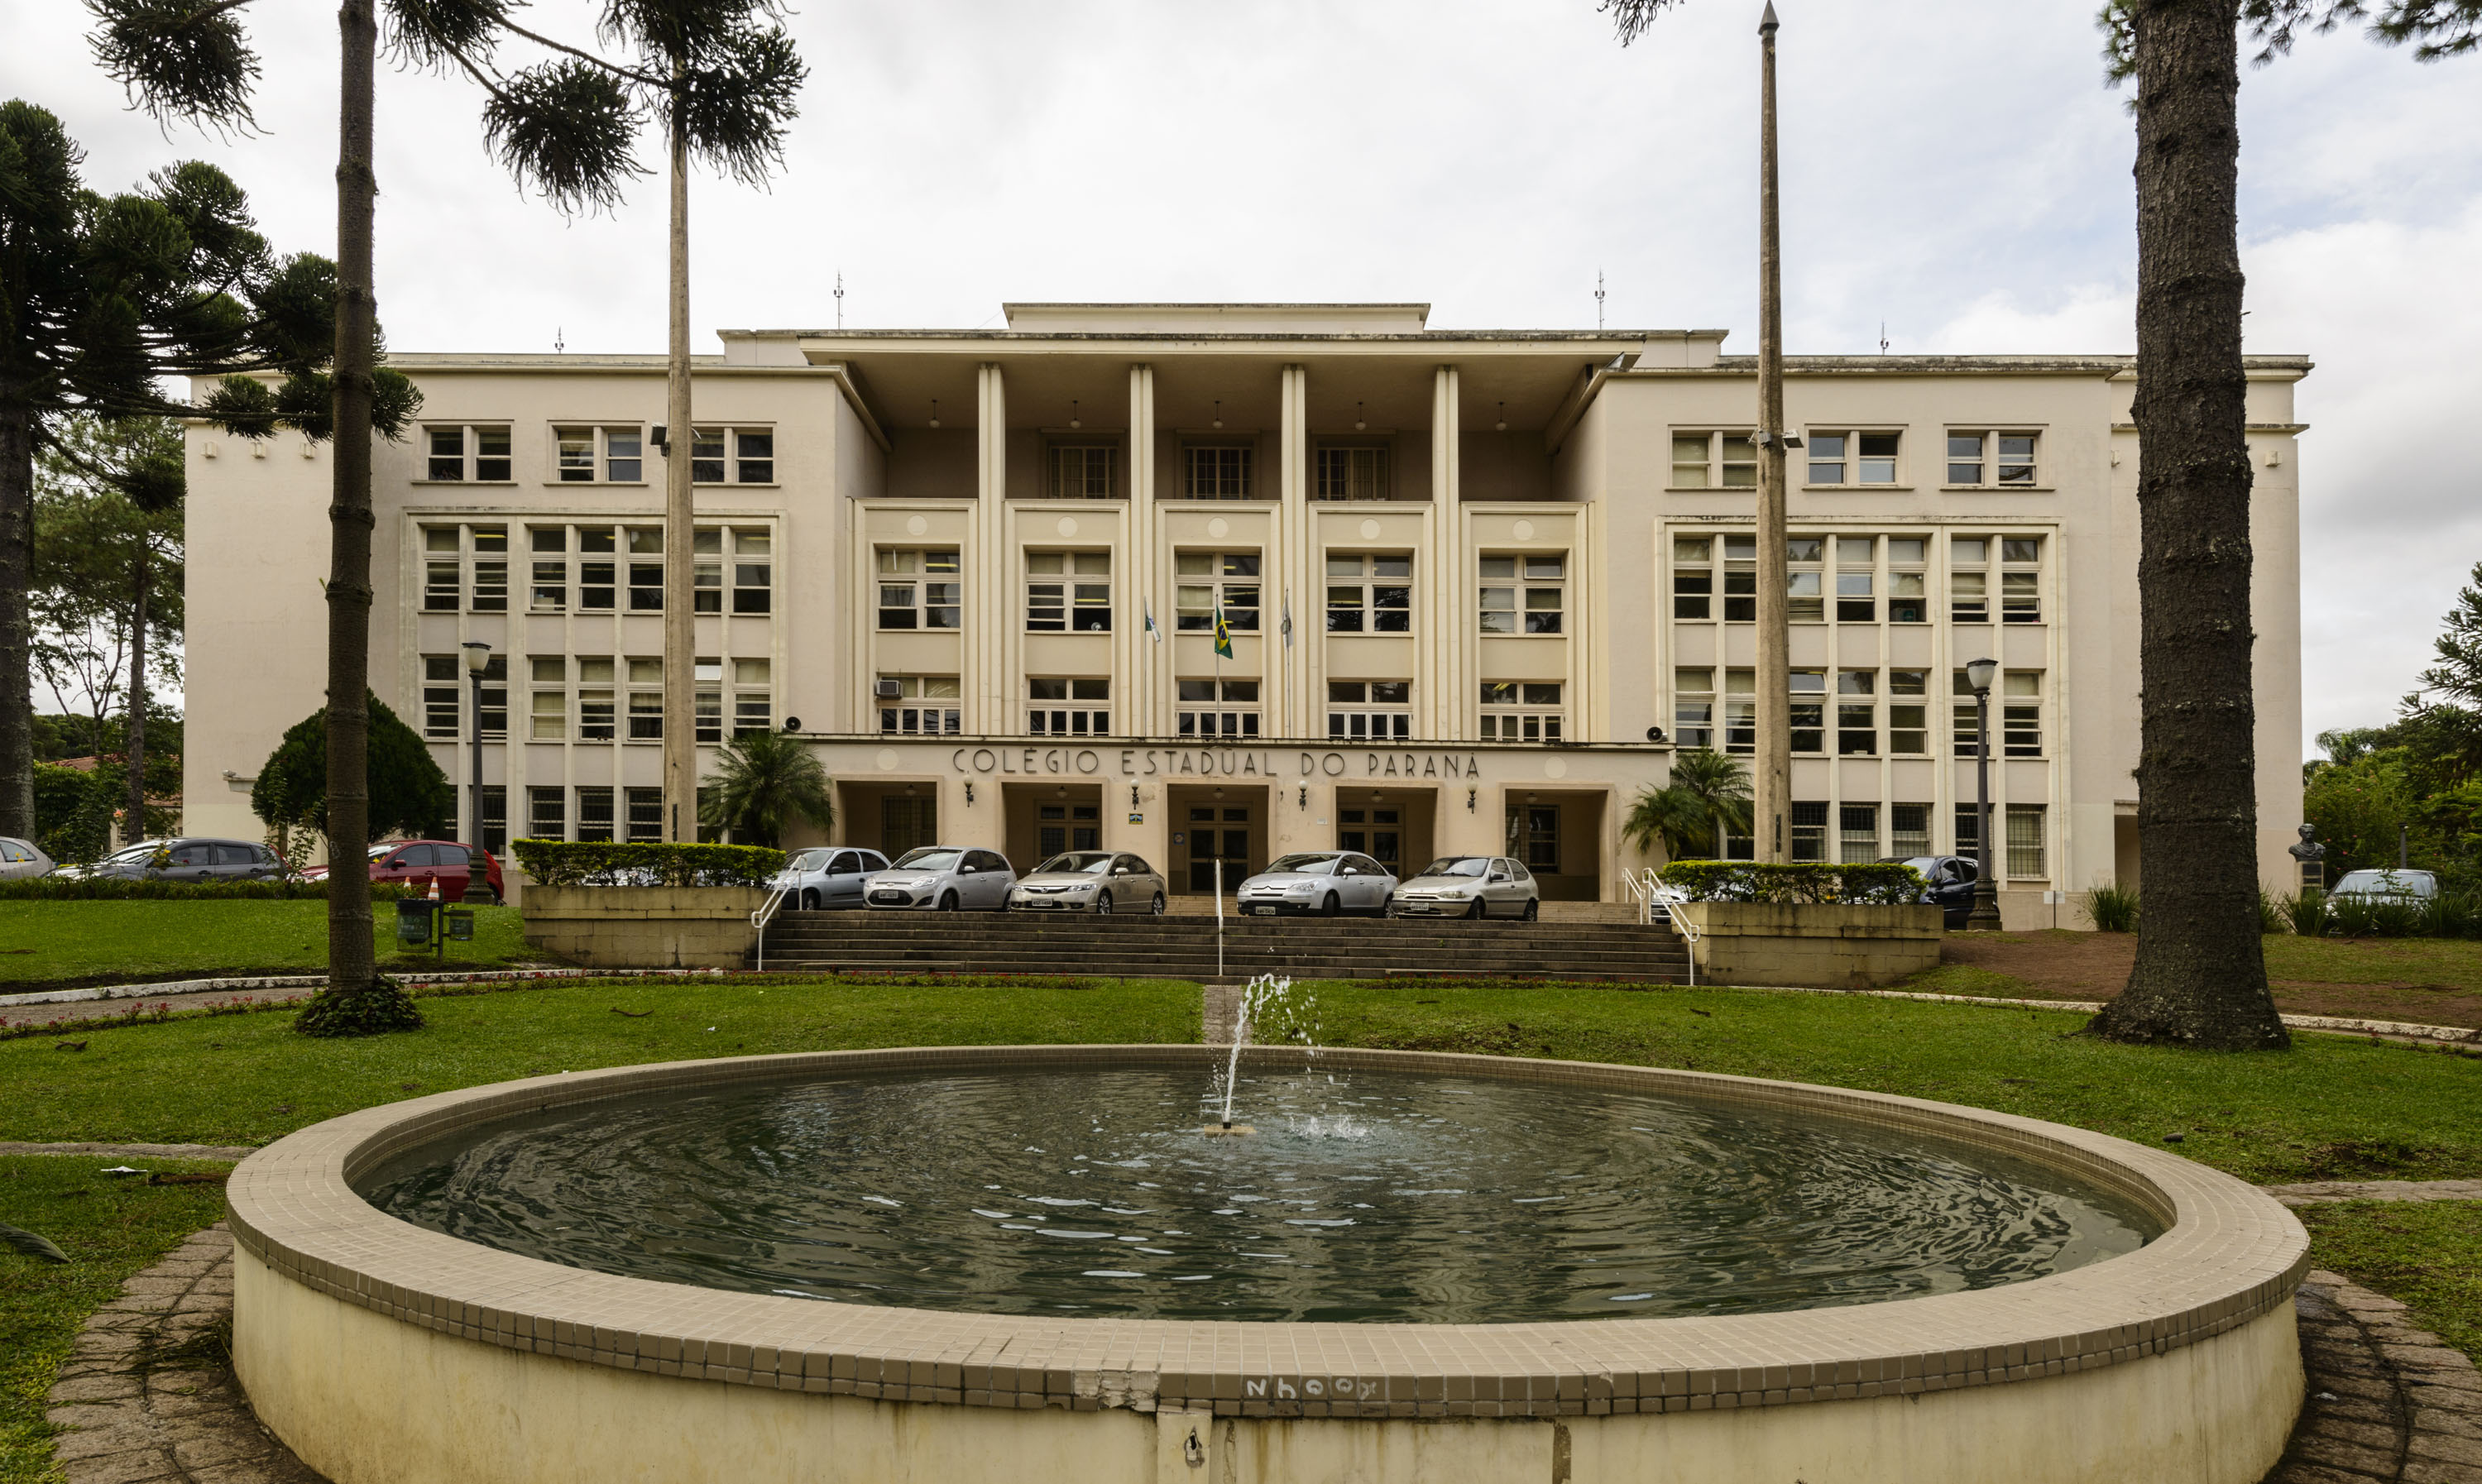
316, 981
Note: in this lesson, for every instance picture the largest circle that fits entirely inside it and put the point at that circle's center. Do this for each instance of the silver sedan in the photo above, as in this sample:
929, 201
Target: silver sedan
21, 858
1101, 881
1327, 882
1471, 886
942, 878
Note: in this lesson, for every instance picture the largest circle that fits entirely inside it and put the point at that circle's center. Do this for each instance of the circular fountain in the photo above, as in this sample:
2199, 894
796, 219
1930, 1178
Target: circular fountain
1027, 1263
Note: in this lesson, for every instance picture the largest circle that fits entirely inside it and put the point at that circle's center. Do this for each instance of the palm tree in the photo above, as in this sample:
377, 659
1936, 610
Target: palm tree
764, 780
1708, 798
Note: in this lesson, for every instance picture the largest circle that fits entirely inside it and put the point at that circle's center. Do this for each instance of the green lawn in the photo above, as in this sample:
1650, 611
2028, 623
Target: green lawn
110, 1228
2455, 963
2426, 1252
72, 942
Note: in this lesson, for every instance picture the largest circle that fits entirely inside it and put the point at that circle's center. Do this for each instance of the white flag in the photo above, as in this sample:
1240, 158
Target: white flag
1287, 625
1153, 632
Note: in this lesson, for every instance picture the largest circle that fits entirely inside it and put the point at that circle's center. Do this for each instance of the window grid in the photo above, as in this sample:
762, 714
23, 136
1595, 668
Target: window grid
1057, 597
1203, 712
467, 452
547, 813
1715, 461
1351, 474
1369, 592
1992, 458
1067, 707
748, 455
1082, 471
1810, 831
1370, 710
2025, 852
922, 704
1856, 834
1852, 457
918, 588
1203, 578
1524, 595
1217, 472
1520, 711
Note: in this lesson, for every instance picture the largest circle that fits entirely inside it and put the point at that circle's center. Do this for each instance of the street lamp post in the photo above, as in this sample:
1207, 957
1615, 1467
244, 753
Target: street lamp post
478, 658
1979, 673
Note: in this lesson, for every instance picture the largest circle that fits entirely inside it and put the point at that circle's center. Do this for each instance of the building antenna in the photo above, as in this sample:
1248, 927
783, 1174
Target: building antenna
1883, 337
1599, 300
840, 299
558, 345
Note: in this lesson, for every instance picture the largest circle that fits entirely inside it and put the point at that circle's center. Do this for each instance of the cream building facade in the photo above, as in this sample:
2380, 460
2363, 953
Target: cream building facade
1477, 587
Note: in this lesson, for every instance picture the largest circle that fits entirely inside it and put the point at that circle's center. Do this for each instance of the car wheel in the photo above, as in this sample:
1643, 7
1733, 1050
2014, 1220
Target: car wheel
1477, 911
1331, 907
1533, 909
947, 901
1159, 904
1103, 904
810, 901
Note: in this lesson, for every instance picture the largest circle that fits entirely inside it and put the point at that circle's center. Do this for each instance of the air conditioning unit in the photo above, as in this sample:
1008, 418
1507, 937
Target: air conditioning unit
887, 690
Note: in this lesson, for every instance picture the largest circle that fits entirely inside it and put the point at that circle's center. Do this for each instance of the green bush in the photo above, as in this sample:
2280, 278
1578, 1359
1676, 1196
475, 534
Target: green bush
2111, 908
610, 864
2306, 910
2271, 916
1740, 881
114, 889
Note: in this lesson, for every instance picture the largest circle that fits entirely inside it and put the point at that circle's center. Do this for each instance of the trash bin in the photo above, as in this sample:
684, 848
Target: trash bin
460, 924
413, 920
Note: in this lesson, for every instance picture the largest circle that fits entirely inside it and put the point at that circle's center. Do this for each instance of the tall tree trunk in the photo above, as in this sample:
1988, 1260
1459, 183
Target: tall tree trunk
1771, 765
141, 576
350, 962
17, 625
2200, 977
680, 559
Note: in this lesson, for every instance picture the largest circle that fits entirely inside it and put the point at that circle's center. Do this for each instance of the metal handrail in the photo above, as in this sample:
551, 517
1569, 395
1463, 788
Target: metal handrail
765, 915
1654, 896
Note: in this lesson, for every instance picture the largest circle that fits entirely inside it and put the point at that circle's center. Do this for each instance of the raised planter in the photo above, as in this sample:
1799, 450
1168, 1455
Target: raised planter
1811, 947
644, 927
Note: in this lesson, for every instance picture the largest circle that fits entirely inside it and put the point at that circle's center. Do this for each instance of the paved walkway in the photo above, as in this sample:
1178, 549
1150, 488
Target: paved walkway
2322, 1192
2385, 1401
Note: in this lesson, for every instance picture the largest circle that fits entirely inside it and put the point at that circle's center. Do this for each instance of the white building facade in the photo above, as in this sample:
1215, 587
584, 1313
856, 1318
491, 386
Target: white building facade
1477, 587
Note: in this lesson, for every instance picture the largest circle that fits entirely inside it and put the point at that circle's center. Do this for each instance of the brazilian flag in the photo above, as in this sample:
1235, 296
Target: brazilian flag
1222, 631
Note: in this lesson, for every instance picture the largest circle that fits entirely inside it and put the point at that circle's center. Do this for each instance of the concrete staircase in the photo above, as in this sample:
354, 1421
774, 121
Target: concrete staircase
1183, 947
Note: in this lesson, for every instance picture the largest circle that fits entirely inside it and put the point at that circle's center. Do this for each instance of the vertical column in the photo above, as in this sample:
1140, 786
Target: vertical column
1141, 659
1294, 566
990, 582
1443, 682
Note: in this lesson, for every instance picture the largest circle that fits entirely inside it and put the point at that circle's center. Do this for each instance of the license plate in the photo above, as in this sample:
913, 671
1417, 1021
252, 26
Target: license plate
1262, 911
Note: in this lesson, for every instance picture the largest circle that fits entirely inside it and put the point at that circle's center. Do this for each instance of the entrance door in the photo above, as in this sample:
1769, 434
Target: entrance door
906, 822
1376, 832
1060, 827
1218, 833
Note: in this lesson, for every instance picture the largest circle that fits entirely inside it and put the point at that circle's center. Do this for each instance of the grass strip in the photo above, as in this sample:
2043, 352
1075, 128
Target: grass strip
2426, 1252
73, 944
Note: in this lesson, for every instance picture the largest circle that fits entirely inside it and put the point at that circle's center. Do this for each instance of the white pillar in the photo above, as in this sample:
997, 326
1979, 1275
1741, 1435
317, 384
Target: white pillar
1144, 661
985, 683
1444, 709
1296, 570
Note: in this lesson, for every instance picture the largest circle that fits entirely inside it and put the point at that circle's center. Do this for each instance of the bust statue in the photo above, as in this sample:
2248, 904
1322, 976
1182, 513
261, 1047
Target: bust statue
2309, 851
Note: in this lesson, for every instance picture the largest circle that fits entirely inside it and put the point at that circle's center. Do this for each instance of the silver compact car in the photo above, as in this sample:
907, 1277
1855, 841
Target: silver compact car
942, 878
1101, 881
827, 877
21, 858
1330, 882
1471, 886
185, 859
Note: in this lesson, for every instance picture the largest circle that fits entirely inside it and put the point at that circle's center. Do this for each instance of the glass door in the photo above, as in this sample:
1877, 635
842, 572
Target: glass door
1379, 834
1217, 834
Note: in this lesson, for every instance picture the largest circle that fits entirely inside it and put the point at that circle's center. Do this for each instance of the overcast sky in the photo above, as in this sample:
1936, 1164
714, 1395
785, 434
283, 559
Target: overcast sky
1953, 168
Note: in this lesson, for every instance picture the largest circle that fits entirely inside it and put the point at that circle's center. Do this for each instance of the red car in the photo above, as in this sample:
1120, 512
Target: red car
418, 863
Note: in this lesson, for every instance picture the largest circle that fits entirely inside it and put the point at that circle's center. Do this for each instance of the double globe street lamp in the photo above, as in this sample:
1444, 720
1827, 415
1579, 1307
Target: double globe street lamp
478, 659
1978, 676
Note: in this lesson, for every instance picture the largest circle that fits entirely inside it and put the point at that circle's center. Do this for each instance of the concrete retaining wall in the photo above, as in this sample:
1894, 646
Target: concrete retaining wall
644, 927
1831, 946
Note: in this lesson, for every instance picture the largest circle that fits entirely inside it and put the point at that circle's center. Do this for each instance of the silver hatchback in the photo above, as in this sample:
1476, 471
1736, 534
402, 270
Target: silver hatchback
1326, 881
1101, 881
942, 878
1471, 886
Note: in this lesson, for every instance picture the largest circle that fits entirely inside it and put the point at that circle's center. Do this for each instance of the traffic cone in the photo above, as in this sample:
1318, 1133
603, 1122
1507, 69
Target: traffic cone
434, 889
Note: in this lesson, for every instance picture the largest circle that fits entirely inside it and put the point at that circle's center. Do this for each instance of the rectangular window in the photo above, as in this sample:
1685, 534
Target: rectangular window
1968, 829
594, 813
2026, 855
2020, 592
1993, 456
645, 807
624, 456
1715, 461
1809, 831
1534, 835
442, 706
597, 575
646, 706
646, 568
576, 450
1856, 834
753, 457
706, 456
444, 451
706, 698
2021, 714
919, 703
1907, 602
2015, 457
1523, 595
447, 455
495, 819
1804, 601
443, 574
1369, 594
918, 588
1205, 578
707, 572
1968, 586
548, 716
1520, 711
595, 721
1740, 711
491, 455
1808, 718
1852, 457
1969, 722
1908, 829
1740, 579
1203, 712
1068, 707
1068, 592
1216, 471
1351, 474
1856, 713
547, 813
1370, 710
1965, 458
1693, 576
753, 574
1082, 471
1693, 706
1908, 712
754, 696
1856, 599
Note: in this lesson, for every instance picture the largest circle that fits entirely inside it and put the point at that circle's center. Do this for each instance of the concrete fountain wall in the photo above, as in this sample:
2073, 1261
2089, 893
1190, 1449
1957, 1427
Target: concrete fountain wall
382, 1352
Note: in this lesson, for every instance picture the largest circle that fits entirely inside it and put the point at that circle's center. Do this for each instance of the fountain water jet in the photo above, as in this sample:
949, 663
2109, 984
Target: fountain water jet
1265, 990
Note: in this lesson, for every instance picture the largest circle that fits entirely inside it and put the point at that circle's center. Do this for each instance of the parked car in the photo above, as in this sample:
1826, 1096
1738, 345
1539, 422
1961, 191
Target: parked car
2387, 886
1096, 881
21, 858
827, 877
418, 863
1327, 882
1471, 886
1950, 884
944, 878
185, 859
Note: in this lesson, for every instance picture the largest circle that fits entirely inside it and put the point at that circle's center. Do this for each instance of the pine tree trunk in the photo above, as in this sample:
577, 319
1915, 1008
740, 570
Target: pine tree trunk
141, 579
16, 626
351, 964
2200, 977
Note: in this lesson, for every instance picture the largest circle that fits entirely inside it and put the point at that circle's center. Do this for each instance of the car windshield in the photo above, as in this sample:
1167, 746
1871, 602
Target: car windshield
1080, 863
809, 861
2417, 883
930, 858
1458, 865
1302, 866
378, 851
141, 851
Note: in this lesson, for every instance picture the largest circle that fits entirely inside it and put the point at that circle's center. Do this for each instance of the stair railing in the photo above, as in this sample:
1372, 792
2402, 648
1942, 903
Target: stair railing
1655, 899
765, 915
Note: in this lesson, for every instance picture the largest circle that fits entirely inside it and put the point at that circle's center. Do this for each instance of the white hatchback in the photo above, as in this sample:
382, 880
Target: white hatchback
942, 878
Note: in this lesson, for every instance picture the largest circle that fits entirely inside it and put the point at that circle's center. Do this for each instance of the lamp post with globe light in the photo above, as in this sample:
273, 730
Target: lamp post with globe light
478, 658
1985, 918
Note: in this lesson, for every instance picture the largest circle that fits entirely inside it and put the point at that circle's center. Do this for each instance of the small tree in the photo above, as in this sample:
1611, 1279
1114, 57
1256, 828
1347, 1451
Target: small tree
764, 780
1708, 798
408, 794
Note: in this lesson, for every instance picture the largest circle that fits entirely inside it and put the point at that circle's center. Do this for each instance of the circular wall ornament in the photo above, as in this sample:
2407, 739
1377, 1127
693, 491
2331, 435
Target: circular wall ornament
1525, 530
888, 759
1370, 530
1068, 525
1556, 767
1219, 528
917, 526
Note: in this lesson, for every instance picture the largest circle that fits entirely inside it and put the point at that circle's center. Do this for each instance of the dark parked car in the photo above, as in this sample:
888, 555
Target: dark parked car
185, 859
418, 863
1951, 884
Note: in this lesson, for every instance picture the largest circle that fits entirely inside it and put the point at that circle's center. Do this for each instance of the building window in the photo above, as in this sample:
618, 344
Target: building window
645, 705
2025, 856
1856, 834
1082, 471
443, 571
441, 709
918, 704
2021, 713
1906, 579
1909, 831
1060, 598
752, 460
495, 819
1740, 579
597, 581
2020, 579
1856, 713
1205, 713
1852, 457
646, 568
1968, 829
1693, 706
1351, 474
1068, 707
1808, 717
1370, 710
1693, 576
1216, 471
1969, 720
753, 574
1804, 580
595, 721
447, 459
645, 807
1992, 459
625, 456
1369, 594
495, 697
1537, 604
1808, 831
1715, 461
1520, 711
754, 697
706, 698
547, 714
1908, 712
1534, 835
1856, 599
918, 588
575, 449
1968, 586
1208, 578
490, 569
446, 452
594, 813
1060, 827
707, 570
1740, 711
548, 589
547, 813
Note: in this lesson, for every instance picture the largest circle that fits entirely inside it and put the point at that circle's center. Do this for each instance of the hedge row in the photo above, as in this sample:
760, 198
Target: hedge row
114, 889
1741, 880
610, 863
